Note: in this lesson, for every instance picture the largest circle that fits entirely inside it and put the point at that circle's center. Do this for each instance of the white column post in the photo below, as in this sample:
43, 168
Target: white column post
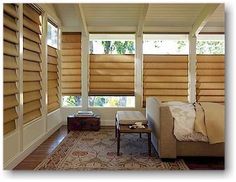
138, 70
44, 73
19, 124
59, 65
192, 60
84, 70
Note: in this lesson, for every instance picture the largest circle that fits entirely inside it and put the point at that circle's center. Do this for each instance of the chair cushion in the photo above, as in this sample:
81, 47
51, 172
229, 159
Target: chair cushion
130, 117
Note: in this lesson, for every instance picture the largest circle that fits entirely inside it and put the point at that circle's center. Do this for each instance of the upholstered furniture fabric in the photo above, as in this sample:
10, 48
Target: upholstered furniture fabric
130, 117
160, 120
199, 124
184, 119
214, 121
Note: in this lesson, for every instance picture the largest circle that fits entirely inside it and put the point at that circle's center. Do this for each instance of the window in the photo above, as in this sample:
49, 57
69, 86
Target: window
165, 44
111, 70
53, 79
69, 101
52, 35
210, 44
210, 79
71, 69
165, 67
112, 101
32, 79
112, 44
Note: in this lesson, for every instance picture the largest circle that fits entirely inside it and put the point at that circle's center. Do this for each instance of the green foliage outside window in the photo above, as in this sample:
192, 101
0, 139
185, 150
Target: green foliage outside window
123, 47
114, 47
112, 101
210, 47
101, 101
72, 101
205, 46
107, 46
180, 45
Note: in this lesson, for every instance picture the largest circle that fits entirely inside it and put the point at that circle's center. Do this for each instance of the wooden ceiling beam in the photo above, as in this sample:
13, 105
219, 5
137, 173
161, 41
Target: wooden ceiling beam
142, 17
80, 10
202, 19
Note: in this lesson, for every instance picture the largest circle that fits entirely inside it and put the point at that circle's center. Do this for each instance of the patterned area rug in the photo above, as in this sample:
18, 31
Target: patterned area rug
88, 150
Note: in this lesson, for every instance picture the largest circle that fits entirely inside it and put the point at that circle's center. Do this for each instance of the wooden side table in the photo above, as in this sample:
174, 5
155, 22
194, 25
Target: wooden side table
126, 129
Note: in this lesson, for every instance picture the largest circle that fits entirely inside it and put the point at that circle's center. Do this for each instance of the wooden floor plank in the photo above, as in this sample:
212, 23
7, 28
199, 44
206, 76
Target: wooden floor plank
46, 148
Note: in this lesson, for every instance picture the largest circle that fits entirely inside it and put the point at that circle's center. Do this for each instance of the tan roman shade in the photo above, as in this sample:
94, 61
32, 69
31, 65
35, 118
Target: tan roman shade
210, 78
111, 75
165, 77
10, 62
71, 64
53, 94
31, 64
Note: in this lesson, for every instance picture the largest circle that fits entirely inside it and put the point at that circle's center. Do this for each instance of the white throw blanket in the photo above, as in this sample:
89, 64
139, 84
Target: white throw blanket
184, 118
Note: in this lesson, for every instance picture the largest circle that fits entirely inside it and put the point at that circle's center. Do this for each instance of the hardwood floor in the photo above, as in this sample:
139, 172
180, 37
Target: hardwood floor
37, 156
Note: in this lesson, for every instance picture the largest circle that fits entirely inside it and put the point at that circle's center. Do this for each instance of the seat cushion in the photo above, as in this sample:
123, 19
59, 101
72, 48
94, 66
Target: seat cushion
130, 117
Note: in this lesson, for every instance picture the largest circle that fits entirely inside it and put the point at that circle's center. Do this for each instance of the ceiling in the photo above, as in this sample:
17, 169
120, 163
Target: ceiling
162, 18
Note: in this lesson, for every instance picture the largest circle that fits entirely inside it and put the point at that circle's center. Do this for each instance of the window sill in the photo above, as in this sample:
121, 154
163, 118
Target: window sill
96, 107
71, 106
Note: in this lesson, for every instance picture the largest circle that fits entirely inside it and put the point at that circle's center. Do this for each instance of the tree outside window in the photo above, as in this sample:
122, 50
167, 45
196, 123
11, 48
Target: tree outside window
111, 47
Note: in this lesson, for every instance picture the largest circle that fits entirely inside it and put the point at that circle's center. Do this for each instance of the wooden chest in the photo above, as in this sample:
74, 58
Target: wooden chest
83, 123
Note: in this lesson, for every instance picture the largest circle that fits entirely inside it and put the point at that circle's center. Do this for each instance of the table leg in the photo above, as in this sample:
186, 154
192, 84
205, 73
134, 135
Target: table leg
140, 135
149, 144
115, 128
118, 142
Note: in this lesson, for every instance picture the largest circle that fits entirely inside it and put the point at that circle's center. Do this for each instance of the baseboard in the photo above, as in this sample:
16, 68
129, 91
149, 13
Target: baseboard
23, 154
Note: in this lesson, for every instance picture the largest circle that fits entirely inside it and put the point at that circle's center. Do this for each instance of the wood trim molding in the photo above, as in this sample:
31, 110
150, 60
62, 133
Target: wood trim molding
202, 19
142, 17
79, 8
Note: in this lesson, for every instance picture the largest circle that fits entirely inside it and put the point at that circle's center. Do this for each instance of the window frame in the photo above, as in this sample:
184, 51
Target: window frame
49, 21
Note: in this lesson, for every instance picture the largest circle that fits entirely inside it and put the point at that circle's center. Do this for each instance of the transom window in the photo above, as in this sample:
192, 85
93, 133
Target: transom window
52, 35
210, 44
112, 44
165, 44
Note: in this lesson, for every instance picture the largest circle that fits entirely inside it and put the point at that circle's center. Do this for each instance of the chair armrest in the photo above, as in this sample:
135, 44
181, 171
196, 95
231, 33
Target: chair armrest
167, 139
161, 122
